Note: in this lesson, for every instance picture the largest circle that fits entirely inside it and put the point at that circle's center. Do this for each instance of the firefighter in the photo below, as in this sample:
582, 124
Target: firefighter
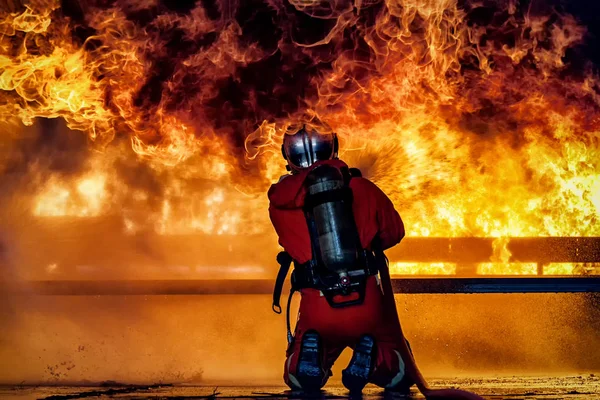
334, 225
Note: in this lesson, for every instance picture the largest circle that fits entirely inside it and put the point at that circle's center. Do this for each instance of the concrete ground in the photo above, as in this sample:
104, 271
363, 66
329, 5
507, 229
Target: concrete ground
566, 387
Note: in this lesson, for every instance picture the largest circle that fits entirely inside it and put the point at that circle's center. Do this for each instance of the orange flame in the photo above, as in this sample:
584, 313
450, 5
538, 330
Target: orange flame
472, 129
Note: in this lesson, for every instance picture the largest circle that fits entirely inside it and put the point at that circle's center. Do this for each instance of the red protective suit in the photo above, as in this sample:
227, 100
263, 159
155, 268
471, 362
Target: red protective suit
339, 328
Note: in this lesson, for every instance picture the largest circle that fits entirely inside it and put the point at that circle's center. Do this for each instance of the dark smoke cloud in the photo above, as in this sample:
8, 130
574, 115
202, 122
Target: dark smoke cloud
282, 76
234, 100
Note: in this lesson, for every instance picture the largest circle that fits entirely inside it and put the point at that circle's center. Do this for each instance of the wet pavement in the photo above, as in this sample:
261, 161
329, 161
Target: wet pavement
566, 387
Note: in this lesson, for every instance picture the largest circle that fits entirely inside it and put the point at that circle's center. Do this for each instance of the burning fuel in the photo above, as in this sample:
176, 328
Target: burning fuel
471, 116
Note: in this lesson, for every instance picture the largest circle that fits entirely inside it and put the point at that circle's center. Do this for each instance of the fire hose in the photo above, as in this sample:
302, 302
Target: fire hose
410, 363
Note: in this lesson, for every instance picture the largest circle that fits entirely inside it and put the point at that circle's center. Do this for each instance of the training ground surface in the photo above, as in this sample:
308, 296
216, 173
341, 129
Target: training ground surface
572, 387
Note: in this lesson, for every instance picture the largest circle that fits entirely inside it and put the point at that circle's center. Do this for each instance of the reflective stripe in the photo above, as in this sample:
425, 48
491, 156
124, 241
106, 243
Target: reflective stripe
396, 379
379, 285
291, 377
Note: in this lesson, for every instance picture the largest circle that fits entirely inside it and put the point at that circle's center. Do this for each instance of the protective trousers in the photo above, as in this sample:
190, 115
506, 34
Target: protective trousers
339, 328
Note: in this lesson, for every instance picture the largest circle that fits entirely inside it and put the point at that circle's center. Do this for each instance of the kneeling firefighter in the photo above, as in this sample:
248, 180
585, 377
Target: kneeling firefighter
334, 225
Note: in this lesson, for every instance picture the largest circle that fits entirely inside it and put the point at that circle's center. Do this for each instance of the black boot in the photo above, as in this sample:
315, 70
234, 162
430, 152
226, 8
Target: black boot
356, 375
309, 372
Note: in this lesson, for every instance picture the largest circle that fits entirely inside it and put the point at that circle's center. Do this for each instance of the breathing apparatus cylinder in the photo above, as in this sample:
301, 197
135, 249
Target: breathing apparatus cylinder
328, 206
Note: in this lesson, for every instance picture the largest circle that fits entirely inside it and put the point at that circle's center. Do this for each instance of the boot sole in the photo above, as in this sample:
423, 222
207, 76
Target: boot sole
356, 376
309, 373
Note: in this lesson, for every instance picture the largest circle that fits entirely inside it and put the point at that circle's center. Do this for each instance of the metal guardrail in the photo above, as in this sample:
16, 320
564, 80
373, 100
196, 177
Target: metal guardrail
540, 250
56, 239
223, 252
265, 286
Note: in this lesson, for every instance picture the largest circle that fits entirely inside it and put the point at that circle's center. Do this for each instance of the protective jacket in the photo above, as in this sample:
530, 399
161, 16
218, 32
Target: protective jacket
374, 213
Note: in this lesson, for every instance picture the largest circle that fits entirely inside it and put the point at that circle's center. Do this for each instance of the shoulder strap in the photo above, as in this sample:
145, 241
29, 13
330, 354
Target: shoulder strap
355, 173
346, 174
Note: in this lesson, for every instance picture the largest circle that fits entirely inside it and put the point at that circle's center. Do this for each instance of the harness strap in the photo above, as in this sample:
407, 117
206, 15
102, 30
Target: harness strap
285, 261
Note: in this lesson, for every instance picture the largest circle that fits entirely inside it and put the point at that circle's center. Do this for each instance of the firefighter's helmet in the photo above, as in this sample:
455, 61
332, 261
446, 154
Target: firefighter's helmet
303, 147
